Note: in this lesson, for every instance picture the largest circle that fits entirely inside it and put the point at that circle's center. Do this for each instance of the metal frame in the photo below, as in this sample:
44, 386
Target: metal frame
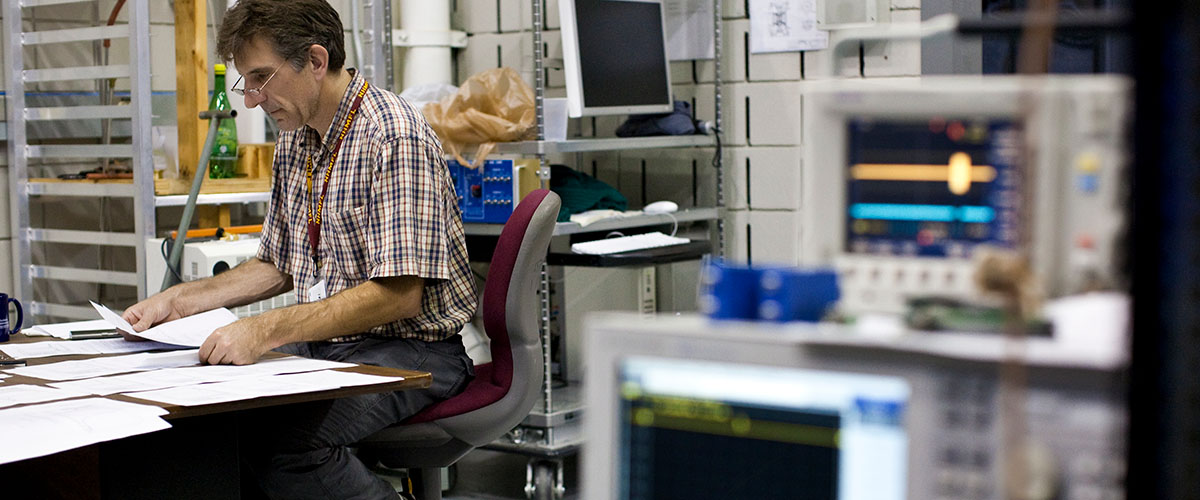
19, 151
379, 44
380, 55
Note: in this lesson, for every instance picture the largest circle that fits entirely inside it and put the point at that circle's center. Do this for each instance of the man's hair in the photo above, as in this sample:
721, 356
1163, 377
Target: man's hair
291, 26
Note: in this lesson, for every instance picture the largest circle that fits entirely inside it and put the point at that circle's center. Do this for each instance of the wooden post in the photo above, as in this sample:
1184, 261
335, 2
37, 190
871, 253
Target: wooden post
191, 80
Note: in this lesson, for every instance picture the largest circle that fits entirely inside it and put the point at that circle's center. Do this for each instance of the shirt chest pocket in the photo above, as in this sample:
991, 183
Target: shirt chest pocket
348, 243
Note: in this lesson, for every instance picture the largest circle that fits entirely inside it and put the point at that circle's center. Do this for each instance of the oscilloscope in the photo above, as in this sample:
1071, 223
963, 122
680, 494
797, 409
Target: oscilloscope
904, 180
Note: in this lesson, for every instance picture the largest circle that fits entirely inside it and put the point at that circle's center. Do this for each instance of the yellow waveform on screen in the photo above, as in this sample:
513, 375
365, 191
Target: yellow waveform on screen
958, 173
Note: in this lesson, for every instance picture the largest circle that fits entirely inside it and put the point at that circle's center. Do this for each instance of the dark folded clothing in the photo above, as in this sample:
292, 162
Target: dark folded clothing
679, 122
581, 192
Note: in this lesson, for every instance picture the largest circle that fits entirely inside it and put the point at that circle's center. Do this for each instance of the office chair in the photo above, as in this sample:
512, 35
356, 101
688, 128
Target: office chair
504, 390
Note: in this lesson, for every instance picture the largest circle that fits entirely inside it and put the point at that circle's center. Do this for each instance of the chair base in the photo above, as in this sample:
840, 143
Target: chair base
426, 483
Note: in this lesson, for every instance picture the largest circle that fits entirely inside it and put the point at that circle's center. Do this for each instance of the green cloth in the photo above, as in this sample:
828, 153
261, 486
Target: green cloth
581, 192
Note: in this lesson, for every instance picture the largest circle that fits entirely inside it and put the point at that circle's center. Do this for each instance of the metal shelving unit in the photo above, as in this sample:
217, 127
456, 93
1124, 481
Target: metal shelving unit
20, 152
179, 200
551, 431
568, 228
604, 144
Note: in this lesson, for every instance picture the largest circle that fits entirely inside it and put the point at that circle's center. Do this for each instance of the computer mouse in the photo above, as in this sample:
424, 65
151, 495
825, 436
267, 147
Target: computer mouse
661, 207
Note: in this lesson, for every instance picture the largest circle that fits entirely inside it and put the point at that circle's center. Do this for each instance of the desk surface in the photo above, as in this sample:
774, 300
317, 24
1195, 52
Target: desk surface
195, 458
412, 380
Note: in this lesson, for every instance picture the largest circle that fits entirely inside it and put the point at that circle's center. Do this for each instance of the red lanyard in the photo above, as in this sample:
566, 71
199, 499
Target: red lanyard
314, 222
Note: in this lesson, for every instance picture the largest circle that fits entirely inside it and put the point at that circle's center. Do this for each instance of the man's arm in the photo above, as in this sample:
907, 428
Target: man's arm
370, 304
249, 282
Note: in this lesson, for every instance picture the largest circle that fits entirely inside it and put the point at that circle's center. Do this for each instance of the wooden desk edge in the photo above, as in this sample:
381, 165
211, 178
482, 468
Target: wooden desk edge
412, 380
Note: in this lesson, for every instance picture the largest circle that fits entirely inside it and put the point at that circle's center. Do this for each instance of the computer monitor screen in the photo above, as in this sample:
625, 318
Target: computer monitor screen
930, 188
690, 429
614, 57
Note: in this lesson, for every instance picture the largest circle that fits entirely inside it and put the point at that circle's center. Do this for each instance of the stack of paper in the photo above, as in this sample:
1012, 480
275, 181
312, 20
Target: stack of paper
98, 346
63, 330
250, 388
98, 367
192, 375
39, 430
190, 331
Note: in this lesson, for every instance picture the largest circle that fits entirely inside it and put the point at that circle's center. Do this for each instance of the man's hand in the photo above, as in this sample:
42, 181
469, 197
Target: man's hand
239, 343
155, 309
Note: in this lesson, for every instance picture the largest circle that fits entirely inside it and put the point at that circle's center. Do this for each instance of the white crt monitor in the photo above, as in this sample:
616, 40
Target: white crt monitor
905, 179
686, 407
615, 57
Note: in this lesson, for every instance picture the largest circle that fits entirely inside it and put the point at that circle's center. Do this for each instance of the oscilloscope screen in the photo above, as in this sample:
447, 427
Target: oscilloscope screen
936, 187
715, 430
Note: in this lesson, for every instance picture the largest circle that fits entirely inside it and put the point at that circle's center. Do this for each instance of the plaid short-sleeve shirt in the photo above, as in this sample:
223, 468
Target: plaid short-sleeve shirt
390, 210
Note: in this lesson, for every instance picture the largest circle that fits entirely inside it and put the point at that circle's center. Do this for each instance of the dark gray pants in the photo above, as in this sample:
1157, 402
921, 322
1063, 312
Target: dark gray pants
300, 451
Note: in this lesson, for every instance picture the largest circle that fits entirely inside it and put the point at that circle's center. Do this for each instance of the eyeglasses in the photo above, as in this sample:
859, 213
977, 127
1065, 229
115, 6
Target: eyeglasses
258, 91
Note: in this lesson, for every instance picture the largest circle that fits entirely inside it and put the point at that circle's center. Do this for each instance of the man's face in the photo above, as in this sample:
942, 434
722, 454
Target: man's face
289, 97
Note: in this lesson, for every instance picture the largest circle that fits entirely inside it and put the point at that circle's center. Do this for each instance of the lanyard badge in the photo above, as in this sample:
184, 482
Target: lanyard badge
314, 217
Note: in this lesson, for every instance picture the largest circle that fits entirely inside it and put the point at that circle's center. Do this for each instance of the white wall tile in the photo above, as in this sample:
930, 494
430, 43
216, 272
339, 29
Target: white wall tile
774, 237
487, 51
672, 174
768, 177
821, 64
733, 54
6, 268
706, 177
681, 72
162, 58
477, 16
737, 236
553, 58
773, 112
551, 15
515, 15
737, 186
731, 9
781, 66
604, 166
895, 58
738, 64
632, 178
5, 218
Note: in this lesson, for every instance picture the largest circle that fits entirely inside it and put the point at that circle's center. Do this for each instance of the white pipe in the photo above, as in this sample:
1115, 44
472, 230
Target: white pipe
356, 33
423, 65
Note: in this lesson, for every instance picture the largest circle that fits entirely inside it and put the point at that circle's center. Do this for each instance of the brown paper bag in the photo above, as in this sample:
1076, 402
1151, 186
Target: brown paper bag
491, 106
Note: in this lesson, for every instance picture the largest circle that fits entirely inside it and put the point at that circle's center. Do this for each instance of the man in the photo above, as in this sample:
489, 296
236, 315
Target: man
362, 224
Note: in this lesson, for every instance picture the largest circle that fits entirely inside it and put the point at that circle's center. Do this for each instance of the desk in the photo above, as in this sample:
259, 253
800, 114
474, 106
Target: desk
196, 458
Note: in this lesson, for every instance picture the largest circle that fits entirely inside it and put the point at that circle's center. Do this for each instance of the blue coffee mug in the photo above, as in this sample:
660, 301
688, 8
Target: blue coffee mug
5, 331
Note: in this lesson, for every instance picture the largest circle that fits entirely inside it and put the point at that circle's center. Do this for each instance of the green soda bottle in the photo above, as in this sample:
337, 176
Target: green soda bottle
223, 160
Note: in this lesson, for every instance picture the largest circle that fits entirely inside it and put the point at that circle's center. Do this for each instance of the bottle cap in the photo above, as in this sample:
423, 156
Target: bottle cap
219, 69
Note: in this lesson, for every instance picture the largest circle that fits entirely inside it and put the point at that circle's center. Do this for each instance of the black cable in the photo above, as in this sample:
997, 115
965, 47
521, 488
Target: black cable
167, 260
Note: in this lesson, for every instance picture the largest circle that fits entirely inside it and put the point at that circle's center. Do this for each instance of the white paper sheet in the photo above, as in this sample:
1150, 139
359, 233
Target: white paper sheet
192, 375
63, 330
250, 388
20, 394
785, 26
99, 367
190, 331
689, 29
39, 430
97, 346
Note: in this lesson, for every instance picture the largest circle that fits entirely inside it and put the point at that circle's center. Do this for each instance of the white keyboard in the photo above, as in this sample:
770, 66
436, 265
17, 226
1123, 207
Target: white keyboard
627, 243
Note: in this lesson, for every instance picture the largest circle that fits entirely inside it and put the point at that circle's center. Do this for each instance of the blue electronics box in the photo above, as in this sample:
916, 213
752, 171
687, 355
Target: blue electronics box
489, 193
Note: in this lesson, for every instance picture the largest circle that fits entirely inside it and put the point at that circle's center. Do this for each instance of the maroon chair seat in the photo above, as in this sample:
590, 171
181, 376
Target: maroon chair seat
504, 390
